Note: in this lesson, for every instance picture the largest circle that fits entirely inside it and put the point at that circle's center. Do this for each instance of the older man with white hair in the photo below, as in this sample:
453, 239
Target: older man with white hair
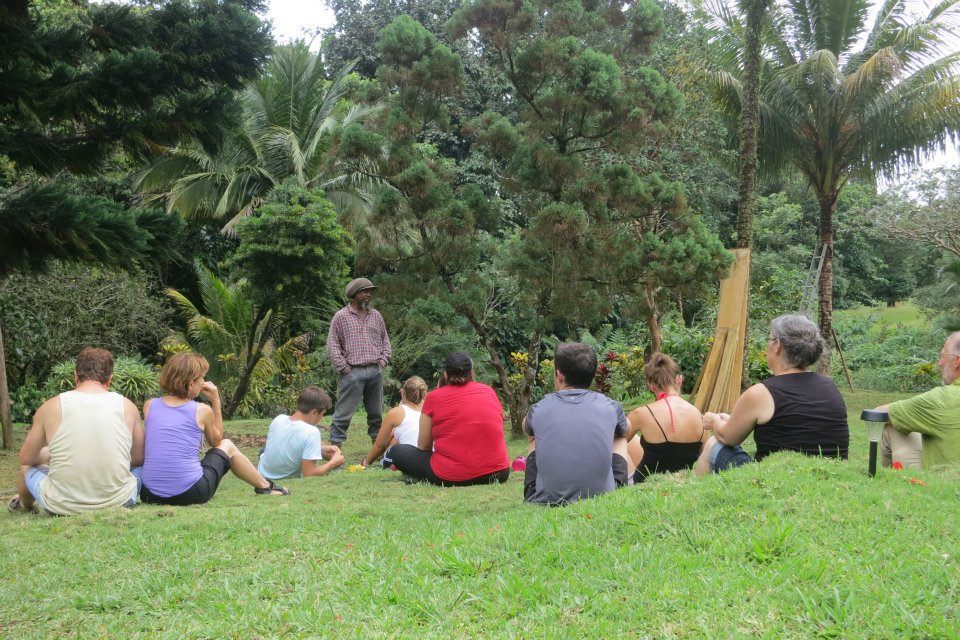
925, 430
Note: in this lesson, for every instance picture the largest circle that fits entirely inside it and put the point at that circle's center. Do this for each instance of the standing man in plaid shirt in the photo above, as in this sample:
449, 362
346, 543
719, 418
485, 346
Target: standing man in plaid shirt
359, 348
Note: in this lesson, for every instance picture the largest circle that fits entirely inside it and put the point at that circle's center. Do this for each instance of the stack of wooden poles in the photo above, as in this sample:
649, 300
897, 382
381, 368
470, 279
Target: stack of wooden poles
718, 385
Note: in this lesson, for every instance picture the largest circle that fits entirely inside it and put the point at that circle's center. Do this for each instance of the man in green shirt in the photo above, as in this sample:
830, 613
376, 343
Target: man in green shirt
934, 416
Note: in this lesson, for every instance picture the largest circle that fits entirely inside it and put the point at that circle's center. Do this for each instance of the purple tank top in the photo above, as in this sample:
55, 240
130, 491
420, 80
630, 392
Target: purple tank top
171, 462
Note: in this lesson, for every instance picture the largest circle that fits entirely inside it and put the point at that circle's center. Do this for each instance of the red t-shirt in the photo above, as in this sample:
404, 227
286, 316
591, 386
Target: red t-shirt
468, 437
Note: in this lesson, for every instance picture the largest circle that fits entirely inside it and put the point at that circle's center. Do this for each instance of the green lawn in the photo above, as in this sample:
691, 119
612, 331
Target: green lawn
789, 548
904, 314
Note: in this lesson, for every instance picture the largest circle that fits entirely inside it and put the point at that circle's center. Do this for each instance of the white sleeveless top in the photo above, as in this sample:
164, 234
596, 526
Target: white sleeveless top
89, 455
408, 431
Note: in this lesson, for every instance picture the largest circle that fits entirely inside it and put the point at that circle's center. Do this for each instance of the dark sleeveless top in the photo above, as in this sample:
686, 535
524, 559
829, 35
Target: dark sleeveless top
809, 416
665, 457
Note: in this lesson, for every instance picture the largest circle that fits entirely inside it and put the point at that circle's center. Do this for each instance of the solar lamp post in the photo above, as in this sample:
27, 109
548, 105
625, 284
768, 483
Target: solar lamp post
874, 421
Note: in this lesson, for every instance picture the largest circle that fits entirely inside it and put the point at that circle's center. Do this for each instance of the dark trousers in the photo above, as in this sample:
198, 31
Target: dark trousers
416, 463
362, 383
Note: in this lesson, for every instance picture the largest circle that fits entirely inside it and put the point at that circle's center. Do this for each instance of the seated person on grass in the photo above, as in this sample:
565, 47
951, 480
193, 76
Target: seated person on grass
294, 447
401, 425
926, 428
795, 410
176, 424
657, 449
578, 447
461, 432
79, 452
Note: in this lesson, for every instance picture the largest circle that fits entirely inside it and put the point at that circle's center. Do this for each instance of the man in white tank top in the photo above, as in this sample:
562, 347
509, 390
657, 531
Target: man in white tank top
85, 447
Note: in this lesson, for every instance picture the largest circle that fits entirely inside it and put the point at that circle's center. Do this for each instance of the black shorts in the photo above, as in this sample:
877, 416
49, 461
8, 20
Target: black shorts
415, 463
214, 466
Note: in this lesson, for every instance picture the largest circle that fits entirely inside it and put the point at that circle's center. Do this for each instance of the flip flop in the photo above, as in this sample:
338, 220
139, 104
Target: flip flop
266, 491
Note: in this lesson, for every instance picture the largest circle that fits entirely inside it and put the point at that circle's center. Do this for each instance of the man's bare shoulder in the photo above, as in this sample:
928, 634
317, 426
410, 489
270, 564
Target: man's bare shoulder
49, 412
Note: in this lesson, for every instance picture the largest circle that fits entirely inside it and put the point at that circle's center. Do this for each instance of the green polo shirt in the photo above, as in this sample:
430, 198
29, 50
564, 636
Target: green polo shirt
936, 415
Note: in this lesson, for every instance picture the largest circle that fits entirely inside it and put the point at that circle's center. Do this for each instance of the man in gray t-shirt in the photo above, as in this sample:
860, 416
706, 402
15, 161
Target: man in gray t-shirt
578, 446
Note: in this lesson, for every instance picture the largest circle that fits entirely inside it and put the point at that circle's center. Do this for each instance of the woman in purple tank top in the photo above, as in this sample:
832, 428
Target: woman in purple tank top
176, 425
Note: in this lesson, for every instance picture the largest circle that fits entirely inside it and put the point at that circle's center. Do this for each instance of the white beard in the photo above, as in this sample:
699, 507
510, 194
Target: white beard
365, 305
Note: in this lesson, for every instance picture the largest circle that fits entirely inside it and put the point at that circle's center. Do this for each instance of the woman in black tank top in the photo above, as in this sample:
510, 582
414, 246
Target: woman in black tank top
671, 429
795, 410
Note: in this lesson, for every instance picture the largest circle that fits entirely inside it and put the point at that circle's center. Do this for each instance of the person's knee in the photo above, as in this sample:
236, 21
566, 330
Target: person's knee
703, 466
226, 445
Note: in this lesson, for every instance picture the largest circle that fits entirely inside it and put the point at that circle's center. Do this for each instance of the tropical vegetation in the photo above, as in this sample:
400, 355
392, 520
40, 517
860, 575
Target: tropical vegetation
511, 177
845, 94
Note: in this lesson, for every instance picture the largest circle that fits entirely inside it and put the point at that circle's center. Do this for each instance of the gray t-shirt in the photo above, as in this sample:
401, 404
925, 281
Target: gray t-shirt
574, 431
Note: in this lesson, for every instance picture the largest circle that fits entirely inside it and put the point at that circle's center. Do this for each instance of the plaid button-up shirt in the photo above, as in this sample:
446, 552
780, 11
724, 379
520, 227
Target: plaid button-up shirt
354, 341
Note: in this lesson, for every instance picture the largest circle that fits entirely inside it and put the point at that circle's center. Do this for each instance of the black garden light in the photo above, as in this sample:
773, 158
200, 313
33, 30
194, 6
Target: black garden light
874, 421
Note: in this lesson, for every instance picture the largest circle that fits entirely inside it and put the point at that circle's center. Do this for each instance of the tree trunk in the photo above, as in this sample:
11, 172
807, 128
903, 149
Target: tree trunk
828, 204
653, 320
520, 402
749, 123
254, 353
503, 376
749, 130
5, 399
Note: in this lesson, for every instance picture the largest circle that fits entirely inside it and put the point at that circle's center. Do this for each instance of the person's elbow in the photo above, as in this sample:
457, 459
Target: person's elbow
722, 434
723, 438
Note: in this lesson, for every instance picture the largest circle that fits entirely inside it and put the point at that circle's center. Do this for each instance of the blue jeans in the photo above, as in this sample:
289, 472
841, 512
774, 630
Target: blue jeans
364, 383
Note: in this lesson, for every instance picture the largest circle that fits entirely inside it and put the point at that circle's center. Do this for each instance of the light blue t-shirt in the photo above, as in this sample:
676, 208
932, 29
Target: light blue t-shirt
289, 442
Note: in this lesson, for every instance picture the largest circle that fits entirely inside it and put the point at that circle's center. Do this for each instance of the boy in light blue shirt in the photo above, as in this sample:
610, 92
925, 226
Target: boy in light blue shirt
294, 448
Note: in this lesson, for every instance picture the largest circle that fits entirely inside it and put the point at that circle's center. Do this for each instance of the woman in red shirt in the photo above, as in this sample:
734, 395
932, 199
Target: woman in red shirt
462, 422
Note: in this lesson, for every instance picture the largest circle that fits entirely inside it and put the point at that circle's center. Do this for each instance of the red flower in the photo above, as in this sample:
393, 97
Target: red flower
897, 465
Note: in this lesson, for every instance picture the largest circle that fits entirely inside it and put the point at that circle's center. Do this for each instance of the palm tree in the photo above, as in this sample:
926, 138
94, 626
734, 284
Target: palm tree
235, 337
841, 98
287, 116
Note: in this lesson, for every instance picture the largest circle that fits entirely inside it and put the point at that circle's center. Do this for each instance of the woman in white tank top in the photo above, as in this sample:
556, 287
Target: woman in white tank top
401, 425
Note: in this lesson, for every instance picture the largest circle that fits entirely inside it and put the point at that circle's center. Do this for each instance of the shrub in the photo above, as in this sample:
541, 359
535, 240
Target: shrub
25, 401
888, 357
132, 379
50, 317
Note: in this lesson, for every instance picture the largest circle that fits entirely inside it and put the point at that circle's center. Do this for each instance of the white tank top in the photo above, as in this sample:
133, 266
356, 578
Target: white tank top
89, 455
408, 431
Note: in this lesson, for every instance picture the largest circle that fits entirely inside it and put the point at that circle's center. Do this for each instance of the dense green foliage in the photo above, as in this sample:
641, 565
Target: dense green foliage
287, 115
131, 378
510, 176
587, 227
292, 251
845, 93
81, 78
50, 317
236, 336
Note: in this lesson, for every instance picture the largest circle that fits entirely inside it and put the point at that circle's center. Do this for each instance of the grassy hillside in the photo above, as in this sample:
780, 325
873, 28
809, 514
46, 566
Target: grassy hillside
793, 547
905, 314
